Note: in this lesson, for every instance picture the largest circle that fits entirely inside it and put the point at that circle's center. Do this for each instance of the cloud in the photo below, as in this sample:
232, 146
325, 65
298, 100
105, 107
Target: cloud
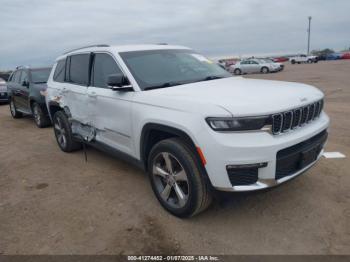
36, 32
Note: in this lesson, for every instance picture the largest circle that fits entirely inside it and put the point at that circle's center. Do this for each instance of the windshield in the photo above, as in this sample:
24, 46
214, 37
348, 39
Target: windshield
40, 75
164, 68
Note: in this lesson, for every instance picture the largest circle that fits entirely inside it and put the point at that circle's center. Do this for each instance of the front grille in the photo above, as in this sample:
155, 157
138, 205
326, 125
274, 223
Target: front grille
283, 122
290, 160
296, 118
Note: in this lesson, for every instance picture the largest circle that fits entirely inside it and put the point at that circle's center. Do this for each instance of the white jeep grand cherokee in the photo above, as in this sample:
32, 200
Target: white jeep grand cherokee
185, 120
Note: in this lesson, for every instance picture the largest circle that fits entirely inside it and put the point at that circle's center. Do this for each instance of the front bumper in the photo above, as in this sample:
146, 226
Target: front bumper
267, 183
277, 69
249, 148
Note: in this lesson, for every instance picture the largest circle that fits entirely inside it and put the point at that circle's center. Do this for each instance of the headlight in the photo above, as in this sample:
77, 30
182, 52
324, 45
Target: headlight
238, 124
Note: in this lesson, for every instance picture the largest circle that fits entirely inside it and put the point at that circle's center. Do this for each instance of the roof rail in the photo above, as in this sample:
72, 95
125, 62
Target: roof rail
21, 67
100, 45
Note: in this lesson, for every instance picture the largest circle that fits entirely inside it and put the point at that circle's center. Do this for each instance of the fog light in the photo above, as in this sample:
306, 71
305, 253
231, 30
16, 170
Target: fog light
242, 175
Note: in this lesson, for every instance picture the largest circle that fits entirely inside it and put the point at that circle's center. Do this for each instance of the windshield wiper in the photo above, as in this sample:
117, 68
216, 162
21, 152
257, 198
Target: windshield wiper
41, 82
164, 85
208, 78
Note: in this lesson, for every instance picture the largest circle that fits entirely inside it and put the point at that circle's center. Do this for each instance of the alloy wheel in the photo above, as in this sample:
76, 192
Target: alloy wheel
36, 114
12, 108
60, 132
171, 180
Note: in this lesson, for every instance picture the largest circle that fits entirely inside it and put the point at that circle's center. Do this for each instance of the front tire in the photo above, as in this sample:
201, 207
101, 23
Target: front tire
40, 118
265, 70
13, 110
177, 180
63, 133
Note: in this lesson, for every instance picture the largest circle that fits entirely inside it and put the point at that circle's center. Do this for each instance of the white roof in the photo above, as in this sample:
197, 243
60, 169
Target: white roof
123, 48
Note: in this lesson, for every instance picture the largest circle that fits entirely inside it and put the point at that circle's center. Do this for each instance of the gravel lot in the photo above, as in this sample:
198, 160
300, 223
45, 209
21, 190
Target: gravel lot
55, 203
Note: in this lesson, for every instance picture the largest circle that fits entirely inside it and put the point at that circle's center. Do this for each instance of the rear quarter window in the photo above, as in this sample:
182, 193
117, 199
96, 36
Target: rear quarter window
60, 71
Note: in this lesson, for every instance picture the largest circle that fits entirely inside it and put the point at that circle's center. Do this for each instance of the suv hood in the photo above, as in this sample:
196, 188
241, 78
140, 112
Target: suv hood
240, 96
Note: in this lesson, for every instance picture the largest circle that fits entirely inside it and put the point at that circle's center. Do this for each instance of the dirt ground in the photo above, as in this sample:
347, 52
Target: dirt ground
55, 203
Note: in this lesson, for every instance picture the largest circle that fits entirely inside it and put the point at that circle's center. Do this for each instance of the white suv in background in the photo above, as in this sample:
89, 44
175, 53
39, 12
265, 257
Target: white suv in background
298, 59
185, 120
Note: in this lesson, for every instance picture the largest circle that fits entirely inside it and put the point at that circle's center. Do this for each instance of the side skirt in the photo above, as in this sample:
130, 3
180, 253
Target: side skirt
116, 153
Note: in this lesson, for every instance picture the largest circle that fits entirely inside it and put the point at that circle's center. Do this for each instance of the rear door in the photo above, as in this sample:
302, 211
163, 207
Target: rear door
15, 88
24, 91
249, 67
110, 111
74, 92
244, 66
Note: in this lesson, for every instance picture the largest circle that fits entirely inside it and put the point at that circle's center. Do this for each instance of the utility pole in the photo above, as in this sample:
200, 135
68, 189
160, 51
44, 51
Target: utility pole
308, 35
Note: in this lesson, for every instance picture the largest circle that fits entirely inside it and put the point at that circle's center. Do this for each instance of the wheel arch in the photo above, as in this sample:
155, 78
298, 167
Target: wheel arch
33, 99
152, 133
53, 107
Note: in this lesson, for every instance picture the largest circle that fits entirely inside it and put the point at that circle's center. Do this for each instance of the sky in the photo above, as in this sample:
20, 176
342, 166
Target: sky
35, 32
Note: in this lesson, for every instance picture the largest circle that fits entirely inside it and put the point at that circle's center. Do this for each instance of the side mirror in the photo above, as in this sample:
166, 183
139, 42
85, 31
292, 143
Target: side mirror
25, 83
119, 82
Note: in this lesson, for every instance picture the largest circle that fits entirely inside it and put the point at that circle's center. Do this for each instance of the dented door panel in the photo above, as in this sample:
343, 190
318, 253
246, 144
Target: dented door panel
75, 98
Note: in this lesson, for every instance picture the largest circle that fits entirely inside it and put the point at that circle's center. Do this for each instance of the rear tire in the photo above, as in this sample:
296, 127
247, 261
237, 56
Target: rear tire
293, 62
63, 133
13, 110
40, 118
176, 178
237, 71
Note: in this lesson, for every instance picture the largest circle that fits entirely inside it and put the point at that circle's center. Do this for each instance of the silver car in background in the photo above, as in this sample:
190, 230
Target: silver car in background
3, 91
250, 66
268, 60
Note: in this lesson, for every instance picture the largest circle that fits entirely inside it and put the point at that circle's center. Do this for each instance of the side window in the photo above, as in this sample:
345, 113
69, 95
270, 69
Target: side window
17, 77
58, 76
24, 77
79, 69
104, 65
